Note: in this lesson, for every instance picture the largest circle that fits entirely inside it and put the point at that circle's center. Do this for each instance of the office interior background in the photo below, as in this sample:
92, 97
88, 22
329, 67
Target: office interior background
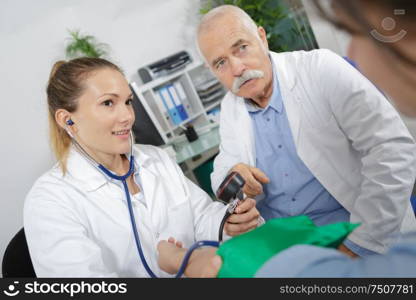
33, 36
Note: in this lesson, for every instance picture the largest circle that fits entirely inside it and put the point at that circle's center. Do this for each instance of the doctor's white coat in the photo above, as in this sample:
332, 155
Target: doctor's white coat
347, 134
78, 225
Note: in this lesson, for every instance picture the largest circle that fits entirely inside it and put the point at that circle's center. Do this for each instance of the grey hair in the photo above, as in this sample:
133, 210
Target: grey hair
208, 19
226, 10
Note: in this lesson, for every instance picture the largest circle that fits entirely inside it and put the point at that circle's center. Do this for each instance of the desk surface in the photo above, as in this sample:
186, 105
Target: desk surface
206, 141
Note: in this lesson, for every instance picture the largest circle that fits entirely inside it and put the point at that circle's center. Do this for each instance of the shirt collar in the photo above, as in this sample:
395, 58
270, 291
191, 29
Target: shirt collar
85, 172
275, 100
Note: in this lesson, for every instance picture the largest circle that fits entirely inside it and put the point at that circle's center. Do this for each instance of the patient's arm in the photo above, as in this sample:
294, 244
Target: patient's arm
202, 263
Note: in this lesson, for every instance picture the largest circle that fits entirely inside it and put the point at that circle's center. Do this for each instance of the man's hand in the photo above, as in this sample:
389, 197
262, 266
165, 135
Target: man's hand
244, 218
254, 179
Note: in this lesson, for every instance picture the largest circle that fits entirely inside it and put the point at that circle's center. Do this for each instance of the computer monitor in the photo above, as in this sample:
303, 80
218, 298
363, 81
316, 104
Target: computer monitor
144, 130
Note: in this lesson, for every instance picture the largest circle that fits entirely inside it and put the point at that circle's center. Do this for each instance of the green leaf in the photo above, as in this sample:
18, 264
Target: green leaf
84, 45
281, 30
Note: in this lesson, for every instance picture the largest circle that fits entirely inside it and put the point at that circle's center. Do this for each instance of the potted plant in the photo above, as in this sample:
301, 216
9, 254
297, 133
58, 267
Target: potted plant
84, 45
287, 29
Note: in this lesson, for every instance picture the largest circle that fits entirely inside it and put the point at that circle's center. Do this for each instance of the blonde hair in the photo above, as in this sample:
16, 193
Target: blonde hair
65, 86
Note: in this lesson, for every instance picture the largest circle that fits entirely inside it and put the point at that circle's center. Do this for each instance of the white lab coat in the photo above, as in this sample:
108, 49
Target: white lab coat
79, 226
347, 134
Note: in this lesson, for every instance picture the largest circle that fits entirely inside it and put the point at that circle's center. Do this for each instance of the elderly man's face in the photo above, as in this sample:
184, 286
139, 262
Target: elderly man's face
230, 49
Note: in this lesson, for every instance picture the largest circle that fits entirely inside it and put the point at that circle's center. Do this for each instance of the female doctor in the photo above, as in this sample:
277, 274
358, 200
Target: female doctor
78, 217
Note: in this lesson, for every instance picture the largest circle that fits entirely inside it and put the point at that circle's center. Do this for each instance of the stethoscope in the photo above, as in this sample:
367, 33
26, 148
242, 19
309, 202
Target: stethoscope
123, 179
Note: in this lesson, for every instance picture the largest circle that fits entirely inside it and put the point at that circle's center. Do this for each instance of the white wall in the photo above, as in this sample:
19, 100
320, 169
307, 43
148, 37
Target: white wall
32, 35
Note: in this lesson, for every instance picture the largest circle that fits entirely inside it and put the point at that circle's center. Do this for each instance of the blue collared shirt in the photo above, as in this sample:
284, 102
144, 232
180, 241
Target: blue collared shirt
293, 190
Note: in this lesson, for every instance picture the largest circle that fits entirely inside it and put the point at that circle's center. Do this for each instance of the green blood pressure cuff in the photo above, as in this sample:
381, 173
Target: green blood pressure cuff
243, 255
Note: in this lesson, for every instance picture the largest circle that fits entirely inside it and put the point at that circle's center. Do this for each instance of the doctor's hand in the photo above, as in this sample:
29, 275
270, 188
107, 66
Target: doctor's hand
254, 178
203, 262
245, 218
170, 254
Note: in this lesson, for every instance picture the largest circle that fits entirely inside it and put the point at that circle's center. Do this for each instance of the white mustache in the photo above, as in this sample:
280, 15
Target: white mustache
247, 75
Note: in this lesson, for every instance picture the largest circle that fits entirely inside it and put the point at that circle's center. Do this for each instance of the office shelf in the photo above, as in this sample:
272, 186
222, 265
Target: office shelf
214, 103
201, 92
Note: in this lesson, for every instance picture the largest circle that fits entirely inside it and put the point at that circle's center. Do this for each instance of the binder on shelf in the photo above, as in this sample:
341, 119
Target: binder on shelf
170, 107
181, 93
162, 107
177, 103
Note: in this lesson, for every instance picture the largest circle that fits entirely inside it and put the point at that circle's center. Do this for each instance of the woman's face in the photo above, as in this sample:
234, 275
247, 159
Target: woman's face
105, 116
396, 78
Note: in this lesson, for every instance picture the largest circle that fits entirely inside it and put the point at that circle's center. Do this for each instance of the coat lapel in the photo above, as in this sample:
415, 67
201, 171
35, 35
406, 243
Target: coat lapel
151, 187
244, 119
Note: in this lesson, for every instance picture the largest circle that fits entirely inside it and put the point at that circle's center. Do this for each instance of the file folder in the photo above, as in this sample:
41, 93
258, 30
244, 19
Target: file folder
170, 107
162, 107
181, 93
177, 102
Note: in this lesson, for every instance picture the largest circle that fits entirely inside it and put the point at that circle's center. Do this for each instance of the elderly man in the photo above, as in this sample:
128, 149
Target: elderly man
310, 135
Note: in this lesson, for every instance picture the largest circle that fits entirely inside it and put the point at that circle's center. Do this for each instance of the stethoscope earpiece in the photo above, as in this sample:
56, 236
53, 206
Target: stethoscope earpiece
69, 123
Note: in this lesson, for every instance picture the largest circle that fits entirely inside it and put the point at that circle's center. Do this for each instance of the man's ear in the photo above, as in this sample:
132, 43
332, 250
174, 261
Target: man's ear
263, 36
